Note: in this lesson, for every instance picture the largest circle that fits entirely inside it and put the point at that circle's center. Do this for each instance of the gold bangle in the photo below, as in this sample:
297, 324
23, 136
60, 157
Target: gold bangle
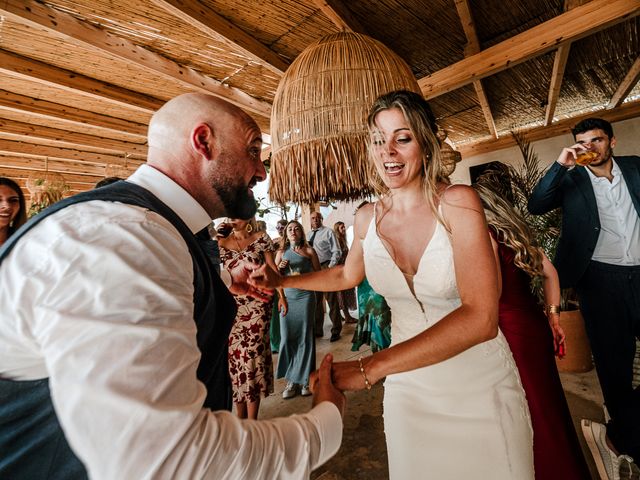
553, 309
367, 384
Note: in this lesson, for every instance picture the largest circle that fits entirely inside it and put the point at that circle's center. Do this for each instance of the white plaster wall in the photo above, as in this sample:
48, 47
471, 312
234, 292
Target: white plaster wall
626, 132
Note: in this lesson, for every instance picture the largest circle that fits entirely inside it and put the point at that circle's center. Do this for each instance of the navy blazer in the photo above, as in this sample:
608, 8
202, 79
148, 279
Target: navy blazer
572, 191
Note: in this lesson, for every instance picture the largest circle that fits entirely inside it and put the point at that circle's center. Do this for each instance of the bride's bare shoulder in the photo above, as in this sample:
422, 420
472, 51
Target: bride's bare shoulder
363, 217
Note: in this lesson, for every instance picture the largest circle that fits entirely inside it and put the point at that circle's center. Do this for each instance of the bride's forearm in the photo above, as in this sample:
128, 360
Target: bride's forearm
328, 280
460, 330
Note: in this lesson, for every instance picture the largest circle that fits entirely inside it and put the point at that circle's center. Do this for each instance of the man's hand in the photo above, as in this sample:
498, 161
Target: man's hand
240, 272
264, 277
569, 155
323, 388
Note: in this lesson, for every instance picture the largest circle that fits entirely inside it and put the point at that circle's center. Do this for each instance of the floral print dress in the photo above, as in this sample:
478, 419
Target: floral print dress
250, 362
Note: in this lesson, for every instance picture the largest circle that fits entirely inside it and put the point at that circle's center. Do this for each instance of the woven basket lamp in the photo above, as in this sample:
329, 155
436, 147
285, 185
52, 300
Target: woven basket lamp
318, 120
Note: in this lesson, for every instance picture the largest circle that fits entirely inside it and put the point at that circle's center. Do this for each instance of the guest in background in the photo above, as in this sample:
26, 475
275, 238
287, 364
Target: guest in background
13, 211
250, 363
324, 242
274, 328
297, 346
280, 228
261, 226
533, 334
346, 298
599, 255
374, 320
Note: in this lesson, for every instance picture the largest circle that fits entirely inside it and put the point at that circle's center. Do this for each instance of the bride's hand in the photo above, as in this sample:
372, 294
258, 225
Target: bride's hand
347, 376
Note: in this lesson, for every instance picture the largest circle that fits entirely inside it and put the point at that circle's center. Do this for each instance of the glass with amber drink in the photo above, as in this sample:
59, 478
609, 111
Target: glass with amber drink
586, 157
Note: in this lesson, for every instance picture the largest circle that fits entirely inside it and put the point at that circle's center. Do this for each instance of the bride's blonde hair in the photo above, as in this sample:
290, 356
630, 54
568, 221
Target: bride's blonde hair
423, 126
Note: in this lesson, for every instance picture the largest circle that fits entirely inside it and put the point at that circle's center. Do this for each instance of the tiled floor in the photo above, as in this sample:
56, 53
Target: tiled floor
363, 452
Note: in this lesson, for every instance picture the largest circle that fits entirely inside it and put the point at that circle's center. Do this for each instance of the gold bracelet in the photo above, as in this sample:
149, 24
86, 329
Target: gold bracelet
364, 375
553, 309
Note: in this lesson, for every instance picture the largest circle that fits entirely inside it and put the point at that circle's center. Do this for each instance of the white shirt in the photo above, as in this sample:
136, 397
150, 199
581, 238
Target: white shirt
619, 239
99, 298
326, 245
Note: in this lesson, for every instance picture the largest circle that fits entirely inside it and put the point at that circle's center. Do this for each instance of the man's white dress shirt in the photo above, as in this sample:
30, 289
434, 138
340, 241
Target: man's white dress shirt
326, 245
619, 239
99, 298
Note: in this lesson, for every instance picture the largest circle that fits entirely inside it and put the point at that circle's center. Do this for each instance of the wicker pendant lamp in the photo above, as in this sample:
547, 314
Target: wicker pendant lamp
318, 119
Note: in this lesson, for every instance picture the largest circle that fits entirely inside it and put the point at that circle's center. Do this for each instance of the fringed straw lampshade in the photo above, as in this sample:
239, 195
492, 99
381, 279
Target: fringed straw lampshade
318, 119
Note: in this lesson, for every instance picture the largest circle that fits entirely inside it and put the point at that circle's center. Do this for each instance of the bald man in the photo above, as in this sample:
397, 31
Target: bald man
114, 323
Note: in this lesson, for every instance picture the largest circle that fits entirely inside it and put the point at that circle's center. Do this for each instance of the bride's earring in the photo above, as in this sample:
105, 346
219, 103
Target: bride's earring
249, 228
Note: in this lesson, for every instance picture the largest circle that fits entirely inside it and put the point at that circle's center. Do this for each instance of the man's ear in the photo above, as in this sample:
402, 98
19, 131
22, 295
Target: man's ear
612, 142
203, 141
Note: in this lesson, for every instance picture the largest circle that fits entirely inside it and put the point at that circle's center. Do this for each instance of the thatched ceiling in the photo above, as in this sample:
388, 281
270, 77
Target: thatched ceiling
79, 79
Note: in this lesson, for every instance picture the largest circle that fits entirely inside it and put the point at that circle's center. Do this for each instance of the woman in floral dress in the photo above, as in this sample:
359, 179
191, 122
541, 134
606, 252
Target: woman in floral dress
250, 363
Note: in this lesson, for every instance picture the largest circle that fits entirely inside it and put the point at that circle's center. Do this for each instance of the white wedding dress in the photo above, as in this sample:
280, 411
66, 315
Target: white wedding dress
465, 417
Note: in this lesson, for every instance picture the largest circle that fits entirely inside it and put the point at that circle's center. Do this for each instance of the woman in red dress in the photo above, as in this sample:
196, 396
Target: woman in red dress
533, 338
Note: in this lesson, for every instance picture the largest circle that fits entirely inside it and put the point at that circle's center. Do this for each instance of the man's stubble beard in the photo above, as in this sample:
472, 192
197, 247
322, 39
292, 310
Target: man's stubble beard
234, 194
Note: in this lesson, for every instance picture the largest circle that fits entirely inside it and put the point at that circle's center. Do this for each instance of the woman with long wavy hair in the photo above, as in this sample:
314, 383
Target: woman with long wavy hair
13, 211
453, 403
534, 333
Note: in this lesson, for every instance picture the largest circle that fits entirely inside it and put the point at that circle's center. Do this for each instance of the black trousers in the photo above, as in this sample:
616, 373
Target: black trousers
610, 303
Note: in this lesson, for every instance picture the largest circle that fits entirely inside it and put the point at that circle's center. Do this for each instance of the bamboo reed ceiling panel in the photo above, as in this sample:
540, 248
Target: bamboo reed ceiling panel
65, 97
285, 26
153, 28
459, 113
519, 95
597, 64
54, 49
497, 20
426, 34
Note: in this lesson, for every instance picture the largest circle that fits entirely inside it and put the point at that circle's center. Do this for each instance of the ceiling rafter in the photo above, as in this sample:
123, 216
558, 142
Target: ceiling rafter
209, 22
340, 16
473, 47
25, 148
64, 113
33, 13
567, 27
41, 134
559, 64
37, 163
623, 112
23, 174
33, 70
627, 84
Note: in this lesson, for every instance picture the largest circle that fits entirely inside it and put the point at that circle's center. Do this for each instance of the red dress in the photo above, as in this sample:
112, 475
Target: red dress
556, 450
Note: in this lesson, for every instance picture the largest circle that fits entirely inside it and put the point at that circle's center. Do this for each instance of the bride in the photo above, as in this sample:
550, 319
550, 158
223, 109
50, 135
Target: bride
453, 402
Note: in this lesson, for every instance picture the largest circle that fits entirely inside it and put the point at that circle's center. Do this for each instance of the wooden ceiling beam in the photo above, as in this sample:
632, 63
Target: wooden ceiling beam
623, 112
473, 47
628, 82
567, 27
340, 16
39, 72
24, 148
40, 134
559, 64
23, 174
64, 113
36, 14
205, 19
52, 165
